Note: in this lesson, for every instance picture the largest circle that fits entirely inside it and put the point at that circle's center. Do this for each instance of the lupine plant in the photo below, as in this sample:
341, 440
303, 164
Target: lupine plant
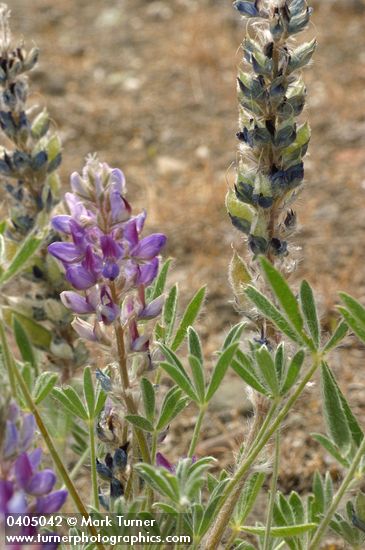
146, 362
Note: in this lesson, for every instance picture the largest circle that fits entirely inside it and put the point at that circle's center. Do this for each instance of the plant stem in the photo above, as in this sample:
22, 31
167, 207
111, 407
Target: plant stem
128, 398
94, 477
337, 499
8, 360
51, 447
273, 488
197, 429
79, 463
234, 487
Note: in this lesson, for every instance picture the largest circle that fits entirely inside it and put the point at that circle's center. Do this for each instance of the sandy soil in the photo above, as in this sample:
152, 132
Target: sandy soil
150, 86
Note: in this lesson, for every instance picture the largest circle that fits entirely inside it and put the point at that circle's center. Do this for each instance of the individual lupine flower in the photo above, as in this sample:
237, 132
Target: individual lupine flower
106, 259
23, 487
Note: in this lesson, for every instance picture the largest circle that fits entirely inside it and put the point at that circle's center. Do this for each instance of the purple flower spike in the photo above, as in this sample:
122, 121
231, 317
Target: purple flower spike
62, 224
149, 247
84, 330
162, 462
50, 504
78, 304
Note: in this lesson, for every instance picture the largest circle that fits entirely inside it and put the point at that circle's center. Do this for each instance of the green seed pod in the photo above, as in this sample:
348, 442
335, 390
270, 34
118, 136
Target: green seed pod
40, 125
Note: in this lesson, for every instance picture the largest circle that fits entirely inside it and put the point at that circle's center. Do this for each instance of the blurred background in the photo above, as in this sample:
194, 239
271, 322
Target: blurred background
150, 86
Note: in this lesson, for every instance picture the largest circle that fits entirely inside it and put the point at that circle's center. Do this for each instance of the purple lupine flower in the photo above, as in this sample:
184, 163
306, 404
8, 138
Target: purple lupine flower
106, 258
24, 488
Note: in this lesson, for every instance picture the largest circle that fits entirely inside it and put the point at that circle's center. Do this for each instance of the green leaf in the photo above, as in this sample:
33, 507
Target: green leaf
234, 334
139, 422
267, 369
195, 347
354, 307
89, 391
355, 428
248, 496
248, 375
295, 503
283, 532
310, 312
293, 371
169, 311
198, 377
353, 322
334, 413
331, 448
157, 479
22, 256
220, 369
181, 379
280, 361
170, 355
37, 334
188, 318
160, 283
70, 404
149, 399
24, 344
284, 294
44, 384
338, 335
168, 406
100, 402
271, 312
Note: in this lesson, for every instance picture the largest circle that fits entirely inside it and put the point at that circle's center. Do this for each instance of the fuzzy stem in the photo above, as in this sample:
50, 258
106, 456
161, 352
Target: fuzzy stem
79, 463
273, 488
197, 429
52, 449
94, 477
338, 497
234, 487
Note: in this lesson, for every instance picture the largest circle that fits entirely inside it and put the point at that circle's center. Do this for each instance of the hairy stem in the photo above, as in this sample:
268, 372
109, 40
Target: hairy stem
273, 488
234, 487
338, 497
94, 477
197, 429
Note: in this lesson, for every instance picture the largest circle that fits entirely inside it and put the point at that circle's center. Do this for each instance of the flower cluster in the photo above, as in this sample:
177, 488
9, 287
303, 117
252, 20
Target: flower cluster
24, 489
272, 145
106, 258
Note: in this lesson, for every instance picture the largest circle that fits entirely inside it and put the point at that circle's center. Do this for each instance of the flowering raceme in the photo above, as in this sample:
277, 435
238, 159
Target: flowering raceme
23, 488
107, 258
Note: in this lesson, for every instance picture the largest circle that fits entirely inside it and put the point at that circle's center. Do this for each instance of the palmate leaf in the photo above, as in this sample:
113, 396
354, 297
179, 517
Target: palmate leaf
149, 399
190, 315
159, 480
23, 255
336, 419
169, 406
267, 369
248, 497
23, 343
284, 295
354, 315
170, 311
310, 312
220, 369
271, 312
293, 371
44, 384
89, 394
338, 335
